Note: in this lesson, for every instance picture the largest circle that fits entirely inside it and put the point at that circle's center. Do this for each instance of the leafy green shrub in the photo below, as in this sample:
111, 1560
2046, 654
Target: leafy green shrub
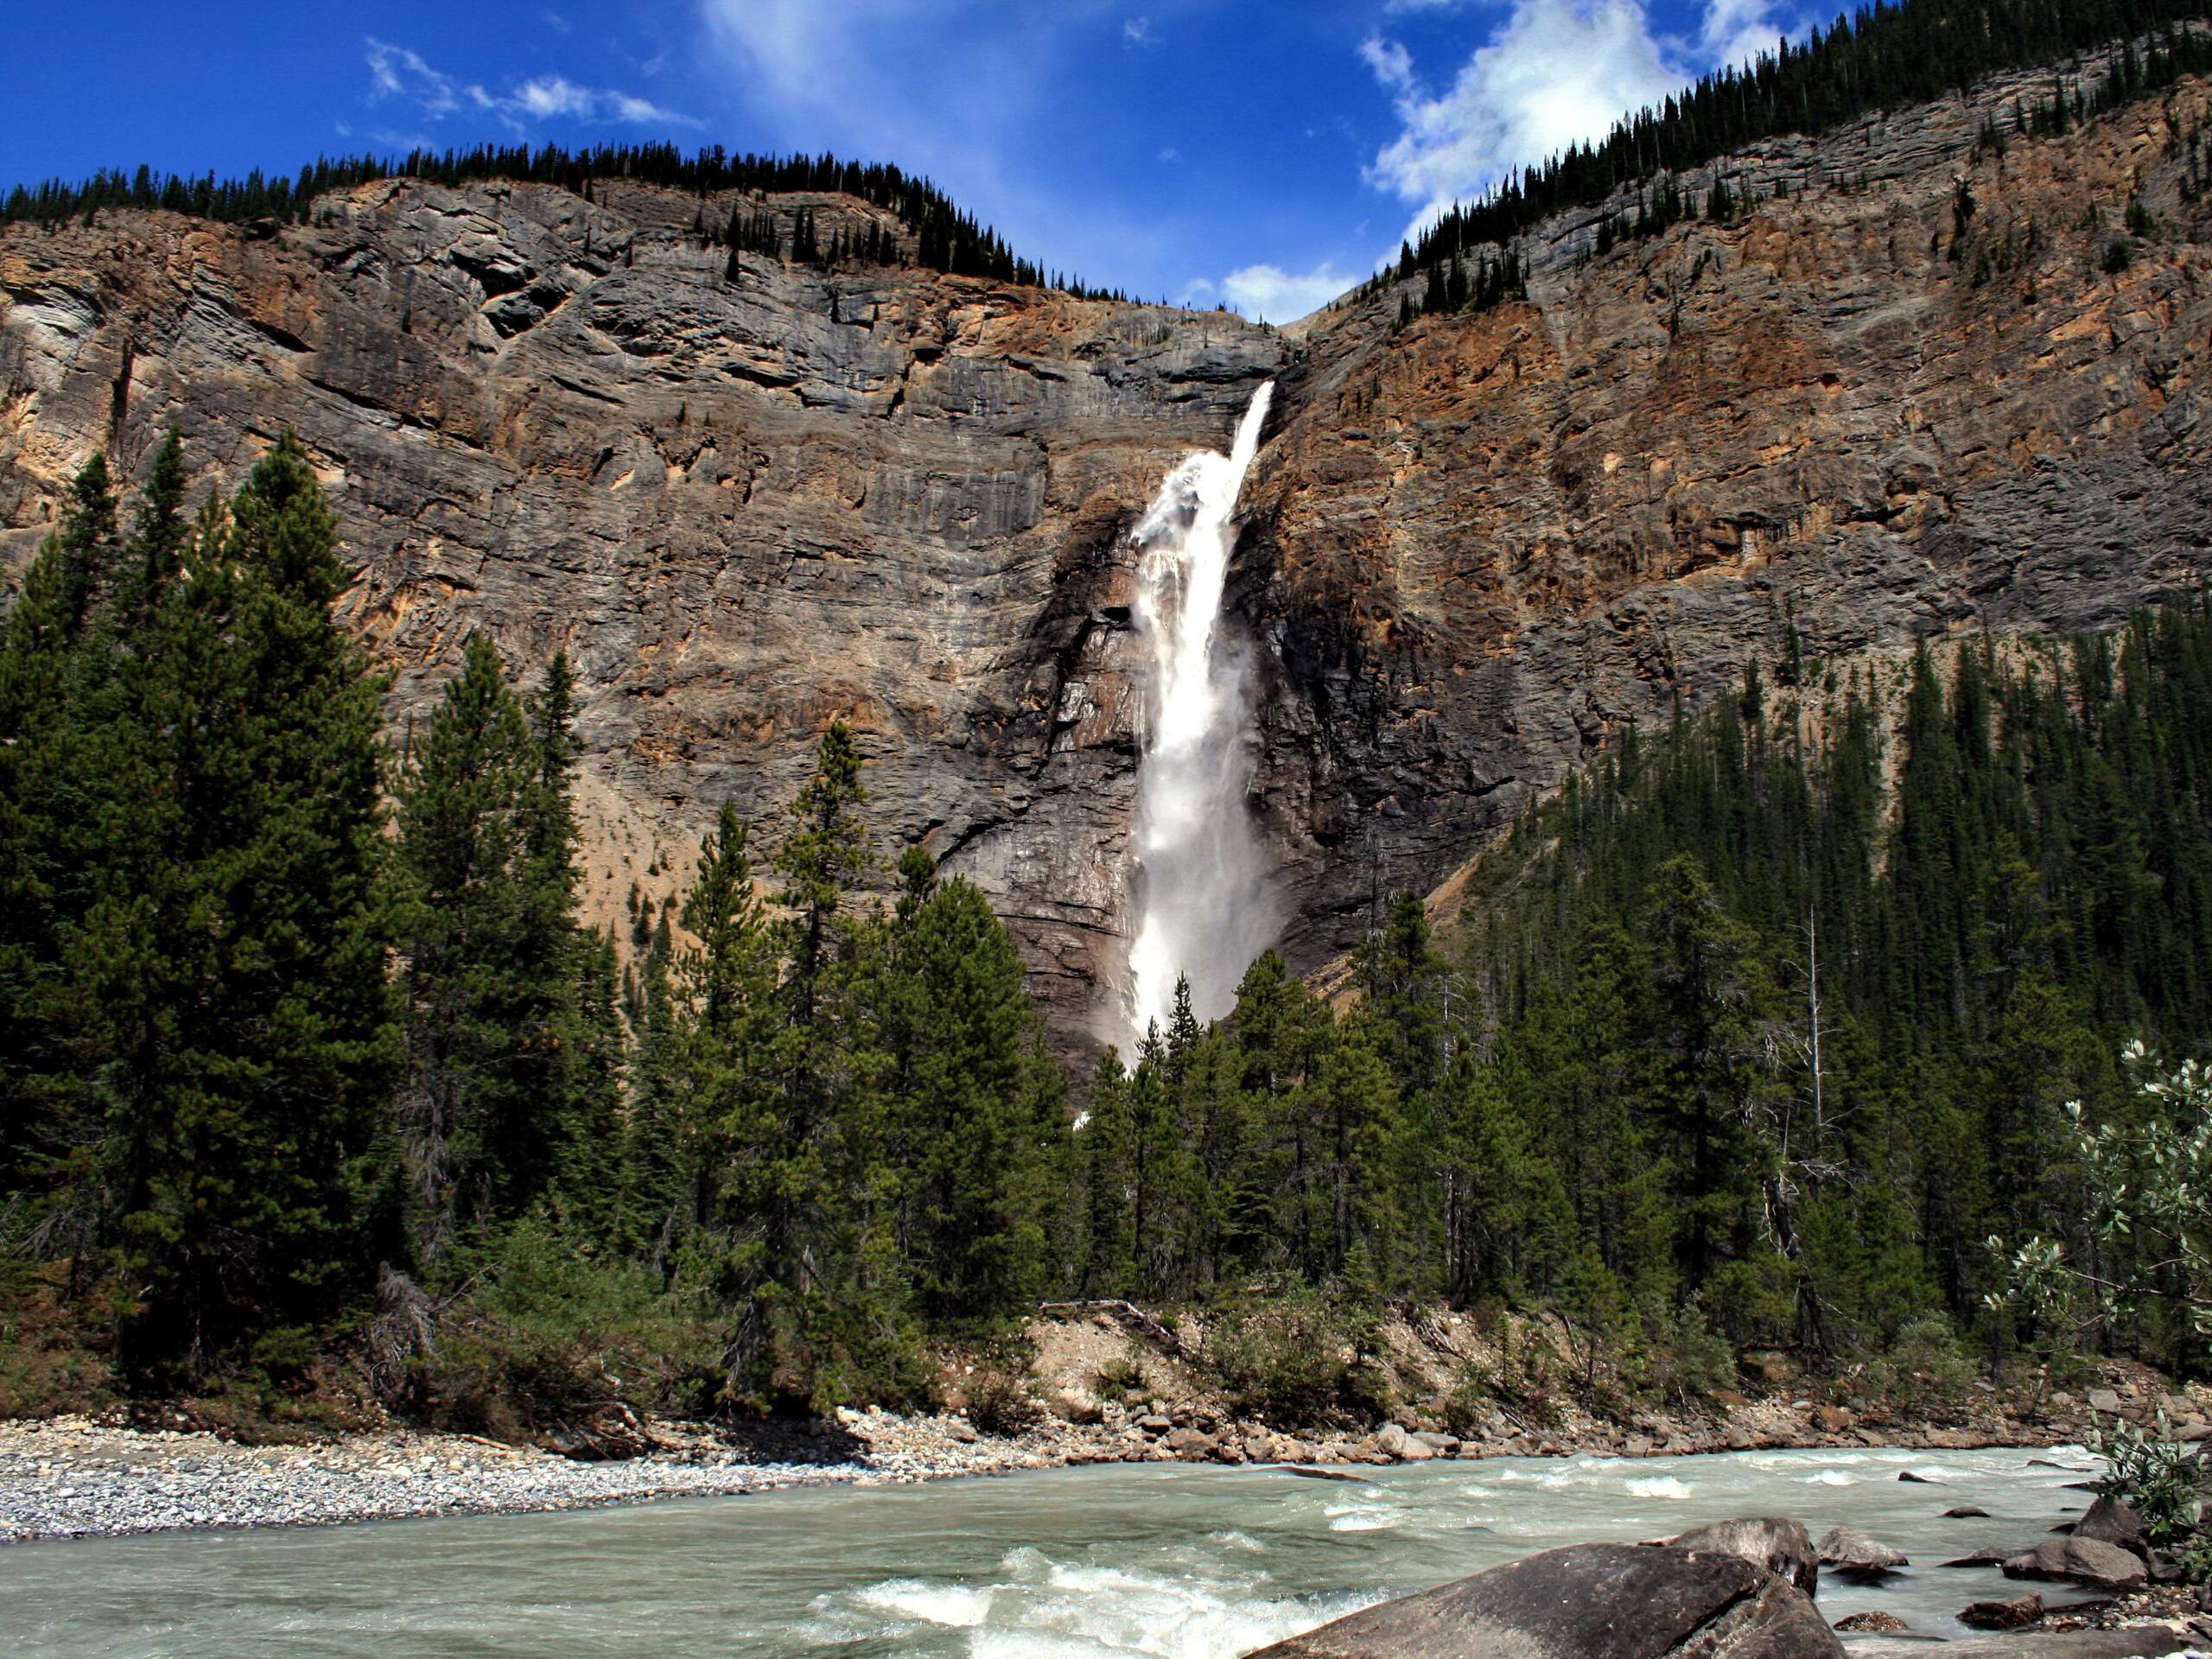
2154, 1475
1122, 1377
1468, 1404
1295, 1358
1682, 1355
545, 1337
997, 1393
1923, 1369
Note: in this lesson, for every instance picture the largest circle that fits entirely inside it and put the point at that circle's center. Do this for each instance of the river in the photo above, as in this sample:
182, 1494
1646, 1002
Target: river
1192, 1561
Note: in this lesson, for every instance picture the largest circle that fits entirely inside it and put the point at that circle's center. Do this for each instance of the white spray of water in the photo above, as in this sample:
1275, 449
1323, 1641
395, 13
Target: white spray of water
1203, 910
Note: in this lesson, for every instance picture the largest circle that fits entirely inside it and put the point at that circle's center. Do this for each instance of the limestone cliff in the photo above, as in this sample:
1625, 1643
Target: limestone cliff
902, 499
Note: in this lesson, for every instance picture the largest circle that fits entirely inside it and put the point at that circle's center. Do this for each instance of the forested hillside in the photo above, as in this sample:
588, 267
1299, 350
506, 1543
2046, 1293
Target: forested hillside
1877, 58
942, 237
1758, 1033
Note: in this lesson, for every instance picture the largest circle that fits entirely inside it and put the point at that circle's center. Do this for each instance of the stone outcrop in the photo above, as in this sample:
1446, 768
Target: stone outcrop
2110, 1522
2079, 1560
1475, 548
1772, 1543
1593, 1601
1852, 1554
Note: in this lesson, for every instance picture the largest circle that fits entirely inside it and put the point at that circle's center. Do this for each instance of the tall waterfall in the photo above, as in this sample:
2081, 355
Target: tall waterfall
1203, 910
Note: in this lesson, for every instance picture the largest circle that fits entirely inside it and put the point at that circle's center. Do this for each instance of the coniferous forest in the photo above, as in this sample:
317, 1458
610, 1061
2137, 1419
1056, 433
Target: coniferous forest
1760, 1031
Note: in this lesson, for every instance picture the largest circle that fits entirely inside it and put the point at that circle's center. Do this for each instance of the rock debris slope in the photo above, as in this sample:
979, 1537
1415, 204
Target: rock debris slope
1475, 548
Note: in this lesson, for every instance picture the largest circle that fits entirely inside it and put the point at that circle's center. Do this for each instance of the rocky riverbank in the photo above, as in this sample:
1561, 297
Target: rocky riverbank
79, 1477
74, 1477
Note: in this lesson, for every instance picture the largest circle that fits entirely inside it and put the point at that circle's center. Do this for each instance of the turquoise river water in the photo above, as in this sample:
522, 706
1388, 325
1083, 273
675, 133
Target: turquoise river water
1193, 1562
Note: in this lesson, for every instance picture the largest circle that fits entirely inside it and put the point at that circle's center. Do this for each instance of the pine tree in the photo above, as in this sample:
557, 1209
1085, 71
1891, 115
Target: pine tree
482, 891
958, 1034
231, 965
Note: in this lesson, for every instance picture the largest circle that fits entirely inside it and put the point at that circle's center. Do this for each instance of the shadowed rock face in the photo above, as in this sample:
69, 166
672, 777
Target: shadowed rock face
1593, 1601
1480, 548
1474, 550
747, 508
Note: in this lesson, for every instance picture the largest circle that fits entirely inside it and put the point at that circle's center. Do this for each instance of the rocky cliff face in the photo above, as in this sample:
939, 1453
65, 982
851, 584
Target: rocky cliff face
902, 499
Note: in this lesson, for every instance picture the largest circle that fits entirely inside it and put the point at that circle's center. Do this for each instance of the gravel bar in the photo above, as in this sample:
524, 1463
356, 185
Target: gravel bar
72, 1478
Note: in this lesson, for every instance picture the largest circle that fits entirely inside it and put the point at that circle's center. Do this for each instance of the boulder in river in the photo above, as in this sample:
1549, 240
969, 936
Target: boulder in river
1593, 1601
1852, 1555
1780, 1546
1987, 1555
2110, 1522
2014, 1615
1872, 1619
1967, 1512
2079, 1560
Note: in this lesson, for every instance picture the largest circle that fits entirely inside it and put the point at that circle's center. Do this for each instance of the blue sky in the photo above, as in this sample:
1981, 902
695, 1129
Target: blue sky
1263, 154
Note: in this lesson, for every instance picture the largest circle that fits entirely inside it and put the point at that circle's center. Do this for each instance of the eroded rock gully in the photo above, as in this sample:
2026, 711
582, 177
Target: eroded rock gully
1475, 548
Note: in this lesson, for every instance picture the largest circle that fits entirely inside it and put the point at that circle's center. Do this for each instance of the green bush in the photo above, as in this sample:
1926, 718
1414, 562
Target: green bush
544, 1338
1295, 1358
1467, 1406
996, 1391
2154, 1475
1122, 1377
1681, 1356
1923, 1369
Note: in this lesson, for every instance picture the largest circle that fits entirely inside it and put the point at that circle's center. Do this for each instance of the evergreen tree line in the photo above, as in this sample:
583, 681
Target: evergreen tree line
1876, 59
299, 1031
1761, 1030
943, 237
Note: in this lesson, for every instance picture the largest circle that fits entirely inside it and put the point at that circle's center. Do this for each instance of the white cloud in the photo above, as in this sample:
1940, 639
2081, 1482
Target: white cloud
1170, 155
1392, 64
1139, 31
1557, 71
1280, 295
1737, 31
395, 72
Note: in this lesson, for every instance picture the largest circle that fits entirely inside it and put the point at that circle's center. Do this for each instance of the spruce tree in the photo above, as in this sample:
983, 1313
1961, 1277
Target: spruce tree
231, 966
483, 904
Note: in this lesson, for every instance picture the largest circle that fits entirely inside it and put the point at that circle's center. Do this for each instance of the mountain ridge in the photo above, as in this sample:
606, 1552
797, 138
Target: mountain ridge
1476, 547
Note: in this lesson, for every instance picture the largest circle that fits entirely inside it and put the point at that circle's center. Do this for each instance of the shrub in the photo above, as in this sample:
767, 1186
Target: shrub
1923, 1368
996, 1392
1121, 1376
542, 1339
1467, 1406
2154, 1475
1682, 1356
1296, 1358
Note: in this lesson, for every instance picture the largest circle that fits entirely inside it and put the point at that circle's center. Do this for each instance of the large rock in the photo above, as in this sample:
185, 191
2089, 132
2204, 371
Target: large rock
1593, 1601
2080, 1560
1852, 1554
2016, 1614
1778, 1546
2110, 1522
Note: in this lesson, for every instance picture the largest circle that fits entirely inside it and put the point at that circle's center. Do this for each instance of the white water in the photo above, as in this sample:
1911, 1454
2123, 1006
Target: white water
1202, 909
1147, 1561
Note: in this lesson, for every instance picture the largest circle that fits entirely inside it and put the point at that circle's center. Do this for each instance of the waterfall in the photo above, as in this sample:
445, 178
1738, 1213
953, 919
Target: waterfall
1202, 907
